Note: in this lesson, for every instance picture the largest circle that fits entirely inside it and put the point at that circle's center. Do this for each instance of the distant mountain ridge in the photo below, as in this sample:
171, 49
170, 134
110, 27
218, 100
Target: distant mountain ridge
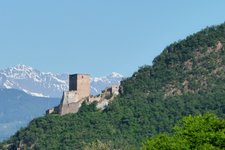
41, 84
18, 108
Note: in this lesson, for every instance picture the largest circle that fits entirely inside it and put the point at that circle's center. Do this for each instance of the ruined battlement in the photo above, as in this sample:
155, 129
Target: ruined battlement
79, 91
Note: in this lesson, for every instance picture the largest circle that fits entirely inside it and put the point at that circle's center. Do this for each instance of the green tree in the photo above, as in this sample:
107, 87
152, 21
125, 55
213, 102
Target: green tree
198, 132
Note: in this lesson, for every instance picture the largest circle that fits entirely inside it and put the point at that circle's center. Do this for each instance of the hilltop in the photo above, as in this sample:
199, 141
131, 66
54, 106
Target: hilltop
186, 78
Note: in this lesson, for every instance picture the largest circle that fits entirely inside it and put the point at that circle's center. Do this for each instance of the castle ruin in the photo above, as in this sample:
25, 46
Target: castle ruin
79, 91
79, 88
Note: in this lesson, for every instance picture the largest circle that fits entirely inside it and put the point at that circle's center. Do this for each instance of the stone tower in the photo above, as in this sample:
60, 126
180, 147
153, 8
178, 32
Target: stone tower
81, 84
79, 89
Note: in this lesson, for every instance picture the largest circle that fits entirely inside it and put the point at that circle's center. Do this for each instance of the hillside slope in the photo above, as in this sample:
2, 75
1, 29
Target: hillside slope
186, 78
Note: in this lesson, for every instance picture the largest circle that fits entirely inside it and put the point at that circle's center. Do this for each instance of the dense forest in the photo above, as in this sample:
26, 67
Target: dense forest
187, 78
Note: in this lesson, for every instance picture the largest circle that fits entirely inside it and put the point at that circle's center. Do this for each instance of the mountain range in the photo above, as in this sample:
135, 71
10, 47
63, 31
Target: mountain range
41, 84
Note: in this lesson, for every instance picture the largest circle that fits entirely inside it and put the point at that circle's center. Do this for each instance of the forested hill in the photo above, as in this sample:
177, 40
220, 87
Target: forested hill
186, 78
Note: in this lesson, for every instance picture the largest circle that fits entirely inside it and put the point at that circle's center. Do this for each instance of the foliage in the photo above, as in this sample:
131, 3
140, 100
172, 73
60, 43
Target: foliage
186, 79
198, 132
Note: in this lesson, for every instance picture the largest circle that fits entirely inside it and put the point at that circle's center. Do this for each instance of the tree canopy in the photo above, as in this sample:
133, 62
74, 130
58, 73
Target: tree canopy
192, 132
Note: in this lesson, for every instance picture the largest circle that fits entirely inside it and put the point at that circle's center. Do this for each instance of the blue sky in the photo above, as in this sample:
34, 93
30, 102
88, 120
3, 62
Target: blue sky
97, 36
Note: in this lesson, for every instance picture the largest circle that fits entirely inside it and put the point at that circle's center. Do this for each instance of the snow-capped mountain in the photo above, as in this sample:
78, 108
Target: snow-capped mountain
37, 83
100, 83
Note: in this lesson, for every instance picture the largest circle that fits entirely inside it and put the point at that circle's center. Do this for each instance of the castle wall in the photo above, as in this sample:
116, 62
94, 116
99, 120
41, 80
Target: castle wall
70, 102
50, 111
92, 99
114, 89
70, 97
70, 108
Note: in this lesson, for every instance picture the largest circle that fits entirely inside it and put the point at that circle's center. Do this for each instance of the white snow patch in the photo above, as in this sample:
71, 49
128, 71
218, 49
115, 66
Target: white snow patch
58, 80
38, 94
34, 94
8, 84
94, 89
97, 79
116, 75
